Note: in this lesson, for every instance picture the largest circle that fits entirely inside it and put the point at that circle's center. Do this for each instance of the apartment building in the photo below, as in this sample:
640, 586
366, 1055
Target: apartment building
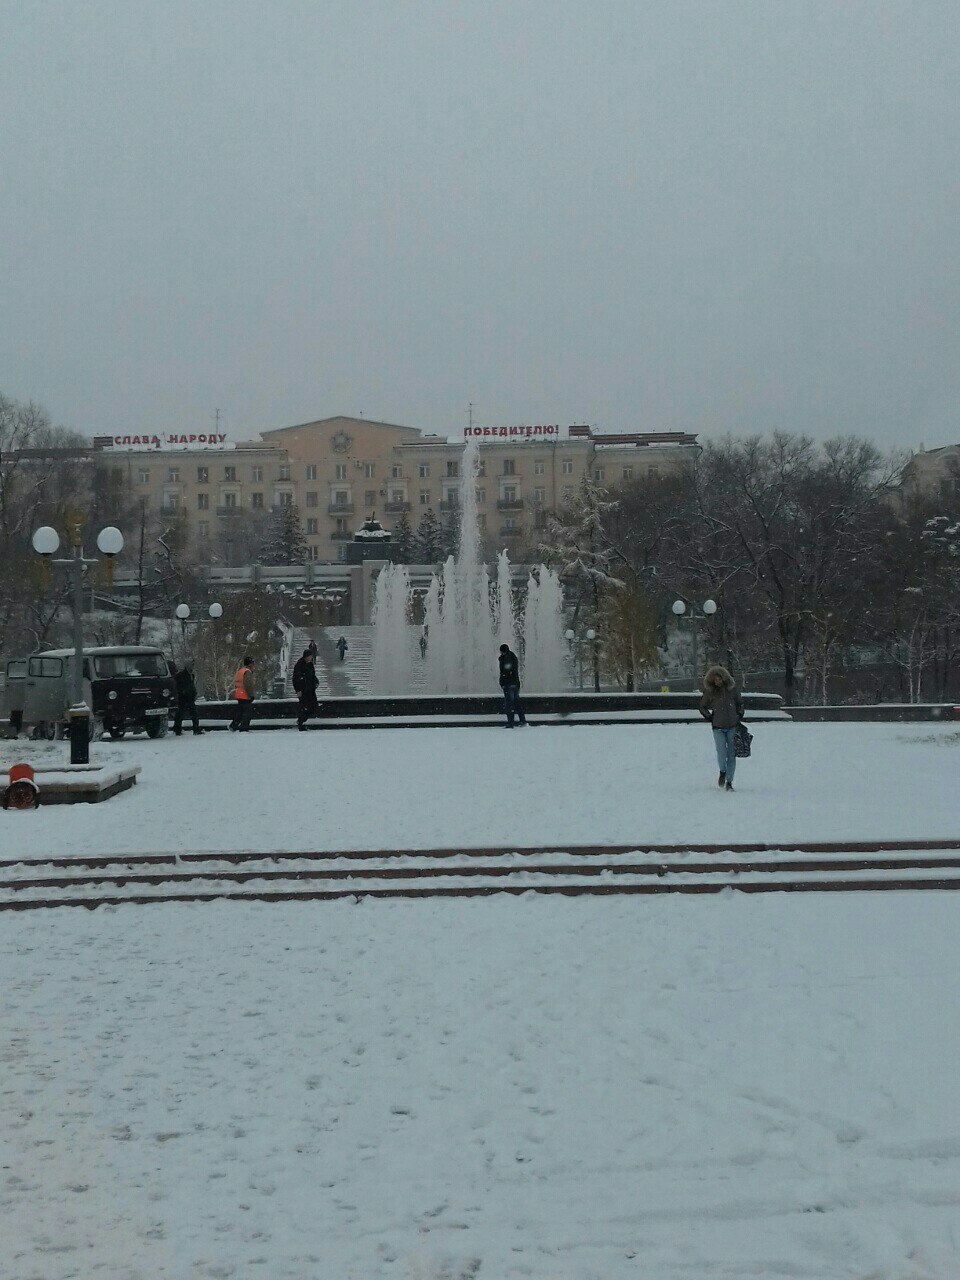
338, 470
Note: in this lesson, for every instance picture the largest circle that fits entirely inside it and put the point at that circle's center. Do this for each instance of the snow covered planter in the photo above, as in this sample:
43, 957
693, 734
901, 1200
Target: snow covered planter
21, 791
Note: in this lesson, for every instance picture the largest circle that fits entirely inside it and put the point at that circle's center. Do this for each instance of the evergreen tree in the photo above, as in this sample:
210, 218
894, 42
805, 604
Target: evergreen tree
285, 542
404, 539
429, 540
450, 533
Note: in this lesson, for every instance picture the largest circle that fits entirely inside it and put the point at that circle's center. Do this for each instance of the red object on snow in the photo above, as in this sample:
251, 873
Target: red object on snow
22, 791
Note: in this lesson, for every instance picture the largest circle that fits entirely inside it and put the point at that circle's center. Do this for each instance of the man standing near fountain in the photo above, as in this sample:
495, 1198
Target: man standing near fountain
510, 684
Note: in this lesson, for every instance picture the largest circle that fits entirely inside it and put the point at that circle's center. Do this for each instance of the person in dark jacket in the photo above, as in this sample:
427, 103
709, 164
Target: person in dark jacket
186, 700
510, 684
342, 647
305, 682
722, 706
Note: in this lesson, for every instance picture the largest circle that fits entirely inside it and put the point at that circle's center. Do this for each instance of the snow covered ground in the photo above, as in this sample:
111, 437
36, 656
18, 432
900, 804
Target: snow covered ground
421, 788
662, 1089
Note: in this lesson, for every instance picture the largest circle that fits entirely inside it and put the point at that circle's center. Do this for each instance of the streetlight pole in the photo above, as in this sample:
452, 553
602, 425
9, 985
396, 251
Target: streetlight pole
46, 543
709, 608
590, 637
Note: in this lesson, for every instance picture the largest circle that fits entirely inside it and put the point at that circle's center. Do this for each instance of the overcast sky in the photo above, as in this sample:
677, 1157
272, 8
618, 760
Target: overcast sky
644, 214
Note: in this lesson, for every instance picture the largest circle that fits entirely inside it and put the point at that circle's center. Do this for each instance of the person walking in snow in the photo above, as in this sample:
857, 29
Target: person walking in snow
305, 683
423, 646
245, 692
510, 684
722, 706
312, 646
186, 700
342, 647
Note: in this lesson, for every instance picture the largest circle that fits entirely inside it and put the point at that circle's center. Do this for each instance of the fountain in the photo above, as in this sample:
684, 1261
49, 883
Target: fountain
467, 618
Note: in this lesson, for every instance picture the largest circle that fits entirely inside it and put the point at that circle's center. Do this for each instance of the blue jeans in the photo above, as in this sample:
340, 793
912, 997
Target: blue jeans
511, 704
726, 757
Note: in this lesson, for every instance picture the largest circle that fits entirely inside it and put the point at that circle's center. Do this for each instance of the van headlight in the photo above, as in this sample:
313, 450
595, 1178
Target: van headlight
166, 693
112, 694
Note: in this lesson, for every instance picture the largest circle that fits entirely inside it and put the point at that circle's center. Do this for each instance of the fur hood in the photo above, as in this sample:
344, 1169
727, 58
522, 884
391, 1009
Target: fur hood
708, 686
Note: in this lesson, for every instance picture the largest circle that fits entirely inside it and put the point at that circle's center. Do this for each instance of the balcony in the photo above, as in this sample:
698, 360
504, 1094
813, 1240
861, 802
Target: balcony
340, 509
509, 504
394, 508
511, 533
341, 535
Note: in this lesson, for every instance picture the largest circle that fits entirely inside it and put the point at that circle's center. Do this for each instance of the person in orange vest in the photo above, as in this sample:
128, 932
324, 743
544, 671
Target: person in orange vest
244, 692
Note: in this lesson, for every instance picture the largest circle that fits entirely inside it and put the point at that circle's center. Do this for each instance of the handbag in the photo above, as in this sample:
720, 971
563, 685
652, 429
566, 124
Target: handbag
741, 741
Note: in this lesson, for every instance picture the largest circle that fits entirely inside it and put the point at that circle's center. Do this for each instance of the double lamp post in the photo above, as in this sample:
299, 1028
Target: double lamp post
46, 543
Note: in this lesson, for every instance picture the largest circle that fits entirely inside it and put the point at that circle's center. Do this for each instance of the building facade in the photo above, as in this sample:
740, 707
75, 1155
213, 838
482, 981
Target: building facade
338, 471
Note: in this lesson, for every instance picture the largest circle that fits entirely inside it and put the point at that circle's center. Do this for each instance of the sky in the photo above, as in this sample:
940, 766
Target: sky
643, 214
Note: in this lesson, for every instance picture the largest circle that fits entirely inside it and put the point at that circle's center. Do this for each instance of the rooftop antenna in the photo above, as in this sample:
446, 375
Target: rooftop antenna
470, 416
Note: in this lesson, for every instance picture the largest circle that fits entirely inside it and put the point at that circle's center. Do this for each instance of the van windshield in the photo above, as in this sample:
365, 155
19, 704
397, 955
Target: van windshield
111, 665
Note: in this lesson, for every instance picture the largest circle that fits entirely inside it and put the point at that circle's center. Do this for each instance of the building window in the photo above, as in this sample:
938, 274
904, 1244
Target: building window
509, 466
230, 500
173, 475
341, 525
654, 473
509, 523
481, 496
203, 475
284, 473
203, 528
397, 471
510, 493
540, 520
143, 477
538, 469
256, 475
229, 473
312, 471
567, 467
256, 501
312, 526
538, 495
171, 501
397, 496
203, 502
628, 473
369, 470
341, 498
341, 471
284, 499
424, 470
313, 498
453, 469
424, 497
369, 498
313, 553
598, 473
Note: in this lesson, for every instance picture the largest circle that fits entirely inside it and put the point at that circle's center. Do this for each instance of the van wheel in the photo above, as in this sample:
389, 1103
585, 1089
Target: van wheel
116, 733
156, 728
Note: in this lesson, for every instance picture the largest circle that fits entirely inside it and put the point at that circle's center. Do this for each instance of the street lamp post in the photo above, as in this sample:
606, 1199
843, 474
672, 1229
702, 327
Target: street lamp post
591, 637
46, 543
182, 612
709, 608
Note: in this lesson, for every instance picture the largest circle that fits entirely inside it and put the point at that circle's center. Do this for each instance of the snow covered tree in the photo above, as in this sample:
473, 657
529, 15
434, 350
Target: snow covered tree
428, 544
285, 541
404, 539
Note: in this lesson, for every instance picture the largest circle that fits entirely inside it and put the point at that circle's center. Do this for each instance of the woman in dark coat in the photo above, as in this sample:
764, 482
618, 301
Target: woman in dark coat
722, 706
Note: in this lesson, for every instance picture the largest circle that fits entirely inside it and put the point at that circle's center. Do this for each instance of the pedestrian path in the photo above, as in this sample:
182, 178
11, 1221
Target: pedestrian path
353, 677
